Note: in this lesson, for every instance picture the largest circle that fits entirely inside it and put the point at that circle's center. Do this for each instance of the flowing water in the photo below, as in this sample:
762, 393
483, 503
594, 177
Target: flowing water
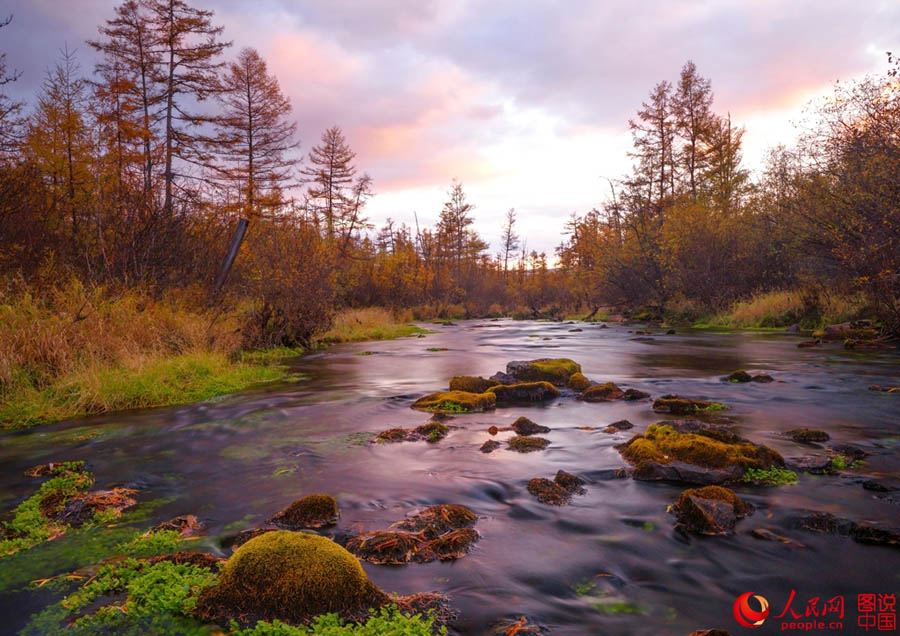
609, 563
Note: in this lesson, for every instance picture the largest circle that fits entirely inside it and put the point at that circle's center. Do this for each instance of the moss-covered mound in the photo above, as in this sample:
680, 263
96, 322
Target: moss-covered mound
471, 384
557, 492
577, 382
524, 392
439, 532
290, 576
676, 405
554, 370
739, 376
528, 444
662, 444
804, 435
456, 402
312, 511
524, 426
710, 510
606, 392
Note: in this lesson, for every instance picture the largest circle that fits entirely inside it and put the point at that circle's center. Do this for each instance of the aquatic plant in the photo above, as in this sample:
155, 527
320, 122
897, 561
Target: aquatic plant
773, 476
385, 620
147, 544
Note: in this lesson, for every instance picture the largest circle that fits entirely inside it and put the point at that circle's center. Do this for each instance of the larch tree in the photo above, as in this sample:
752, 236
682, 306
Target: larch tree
130, 70
695, 124
330, 175
189, 49
653, 134
255, 136
509, 240
10, 124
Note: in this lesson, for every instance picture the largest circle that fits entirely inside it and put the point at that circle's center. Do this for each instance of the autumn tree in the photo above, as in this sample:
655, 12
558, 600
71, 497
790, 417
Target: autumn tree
509, 240
10, 125
330, 175
453, 226
255, 136
694, 124
189, 49
653, 134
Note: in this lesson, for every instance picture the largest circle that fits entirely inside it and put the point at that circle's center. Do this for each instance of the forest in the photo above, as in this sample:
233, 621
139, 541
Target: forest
121, 185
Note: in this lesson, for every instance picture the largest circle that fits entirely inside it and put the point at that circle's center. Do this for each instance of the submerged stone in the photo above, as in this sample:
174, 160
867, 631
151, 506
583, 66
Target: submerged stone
184, 525
621, 425
711, 510
524, 392
557, 492
763, 378
456, 402
528, 444
805, 435
471, 384
490, 446
524, 426
606, 392
312, 511
554, 370
738, 376
675, 405
634, 394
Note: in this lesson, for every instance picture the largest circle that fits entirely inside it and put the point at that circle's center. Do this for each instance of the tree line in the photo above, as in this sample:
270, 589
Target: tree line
137, 173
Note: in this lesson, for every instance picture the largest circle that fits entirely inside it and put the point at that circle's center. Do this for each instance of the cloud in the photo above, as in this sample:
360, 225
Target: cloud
527, 103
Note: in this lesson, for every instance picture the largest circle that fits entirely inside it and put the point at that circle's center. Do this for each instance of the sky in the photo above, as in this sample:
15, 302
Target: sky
525, 102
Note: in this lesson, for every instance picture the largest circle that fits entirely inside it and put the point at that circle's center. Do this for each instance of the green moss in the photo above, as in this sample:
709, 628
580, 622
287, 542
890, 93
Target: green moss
663, 444
433, 431
554, 370
686, 406
384, 621
804, 435
456, 402
158, 599
716, 493
577, 382
471, 384
772, 476
839, 462
292, 576
32, 521
147, 544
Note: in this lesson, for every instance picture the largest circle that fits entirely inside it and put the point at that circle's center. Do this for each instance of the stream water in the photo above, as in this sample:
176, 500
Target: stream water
609, 563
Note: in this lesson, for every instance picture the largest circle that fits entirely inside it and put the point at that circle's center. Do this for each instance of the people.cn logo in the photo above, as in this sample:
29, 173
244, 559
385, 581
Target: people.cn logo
746, 615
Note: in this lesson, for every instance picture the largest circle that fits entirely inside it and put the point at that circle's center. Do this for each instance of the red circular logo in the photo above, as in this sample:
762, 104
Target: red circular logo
746, 615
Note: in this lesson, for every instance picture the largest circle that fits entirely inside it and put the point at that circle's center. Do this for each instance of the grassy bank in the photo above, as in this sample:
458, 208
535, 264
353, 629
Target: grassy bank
781, 309
75, 352
371, 323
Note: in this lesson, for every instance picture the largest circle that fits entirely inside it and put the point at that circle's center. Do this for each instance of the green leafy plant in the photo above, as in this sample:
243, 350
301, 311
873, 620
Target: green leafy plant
772, 476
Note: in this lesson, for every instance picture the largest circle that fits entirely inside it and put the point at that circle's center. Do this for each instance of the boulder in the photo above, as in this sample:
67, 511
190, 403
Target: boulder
606, 392
471, 384
577, 382
456, 402
621, 425
489, 446
554, 370
711, 510
524, 426
312, 511
524, 392
557, 492
527, 444
738, 376
634, 394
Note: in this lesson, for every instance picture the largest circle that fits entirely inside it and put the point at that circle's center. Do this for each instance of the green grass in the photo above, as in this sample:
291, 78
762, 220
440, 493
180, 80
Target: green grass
385, 621
773, 476
190, 377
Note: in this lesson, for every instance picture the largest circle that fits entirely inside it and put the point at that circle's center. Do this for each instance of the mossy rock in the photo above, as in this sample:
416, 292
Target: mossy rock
739, 376
290, 576
489, 446
620, 425
675, 405
805, 435
456, 402
577, 382
528, 444
524, 392
662, 444
432, 431
471, 384
312, 511
632, 395
524, 426
557, 492
606, 392
393, 435
711, 510
554, 370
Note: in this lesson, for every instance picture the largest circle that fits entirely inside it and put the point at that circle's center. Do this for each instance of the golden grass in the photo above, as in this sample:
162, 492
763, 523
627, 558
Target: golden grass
783, 308
370, 323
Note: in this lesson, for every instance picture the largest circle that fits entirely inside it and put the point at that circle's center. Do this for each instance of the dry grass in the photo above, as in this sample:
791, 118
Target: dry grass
371, 323
783, 308
75, 351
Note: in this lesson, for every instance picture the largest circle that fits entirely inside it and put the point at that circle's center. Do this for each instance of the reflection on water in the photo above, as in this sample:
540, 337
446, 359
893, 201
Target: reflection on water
608, 563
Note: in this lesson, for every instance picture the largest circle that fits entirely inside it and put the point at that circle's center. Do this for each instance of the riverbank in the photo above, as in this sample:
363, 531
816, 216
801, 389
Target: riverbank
78, 352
